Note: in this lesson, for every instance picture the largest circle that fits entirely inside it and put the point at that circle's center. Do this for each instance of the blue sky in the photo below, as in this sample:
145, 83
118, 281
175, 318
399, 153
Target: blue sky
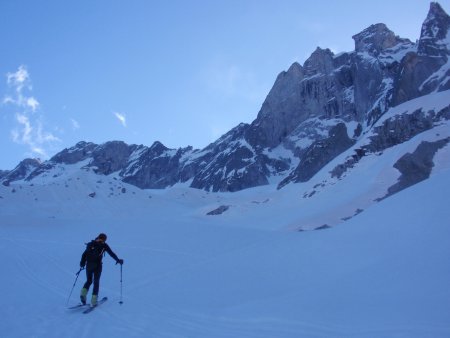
180, 72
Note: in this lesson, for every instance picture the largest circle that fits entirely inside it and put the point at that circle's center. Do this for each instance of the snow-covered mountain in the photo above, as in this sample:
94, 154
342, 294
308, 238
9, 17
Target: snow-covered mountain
386, 104
337, 142
380, 164
312, 114
223, 265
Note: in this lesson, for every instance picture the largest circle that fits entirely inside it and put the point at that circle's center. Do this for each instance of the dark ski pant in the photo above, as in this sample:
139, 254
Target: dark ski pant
93, 274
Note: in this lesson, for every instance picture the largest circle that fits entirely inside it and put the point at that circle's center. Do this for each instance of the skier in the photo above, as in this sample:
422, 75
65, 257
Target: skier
92, 259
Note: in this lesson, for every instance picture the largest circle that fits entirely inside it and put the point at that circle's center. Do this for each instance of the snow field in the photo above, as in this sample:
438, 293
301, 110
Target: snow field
383, 273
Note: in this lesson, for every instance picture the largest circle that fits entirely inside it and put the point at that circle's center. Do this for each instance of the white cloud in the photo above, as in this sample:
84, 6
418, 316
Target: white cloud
19, 78
8, 99
20, 81
33, 135
43, 136
122, 118
28, 129
75, 124
24, 136
39, 151
32, 103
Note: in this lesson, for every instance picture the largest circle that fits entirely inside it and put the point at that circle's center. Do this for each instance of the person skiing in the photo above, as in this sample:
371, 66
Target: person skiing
92, 259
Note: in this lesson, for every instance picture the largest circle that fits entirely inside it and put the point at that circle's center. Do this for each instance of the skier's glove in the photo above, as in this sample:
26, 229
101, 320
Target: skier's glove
119, 261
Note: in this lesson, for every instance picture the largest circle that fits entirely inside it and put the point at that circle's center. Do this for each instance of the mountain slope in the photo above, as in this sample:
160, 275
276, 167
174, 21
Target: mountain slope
384, 273
313, 113
334, 138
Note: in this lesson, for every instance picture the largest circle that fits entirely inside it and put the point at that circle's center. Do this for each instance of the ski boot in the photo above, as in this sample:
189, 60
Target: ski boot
94, 300
83, 294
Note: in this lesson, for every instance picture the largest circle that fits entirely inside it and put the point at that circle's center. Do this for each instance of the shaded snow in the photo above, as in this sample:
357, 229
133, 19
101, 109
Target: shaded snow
381, 274
245, 273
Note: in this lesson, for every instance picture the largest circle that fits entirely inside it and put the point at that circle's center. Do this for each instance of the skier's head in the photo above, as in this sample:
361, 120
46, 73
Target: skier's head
102, 237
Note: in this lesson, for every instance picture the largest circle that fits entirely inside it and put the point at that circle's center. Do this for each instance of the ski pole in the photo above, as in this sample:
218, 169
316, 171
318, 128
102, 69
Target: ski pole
121, 301
73, 286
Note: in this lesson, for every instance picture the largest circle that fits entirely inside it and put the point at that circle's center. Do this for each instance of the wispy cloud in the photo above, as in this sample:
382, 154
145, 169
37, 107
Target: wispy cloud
20, 81
75, 124
33, 136
122, 118
29, 129
32, 103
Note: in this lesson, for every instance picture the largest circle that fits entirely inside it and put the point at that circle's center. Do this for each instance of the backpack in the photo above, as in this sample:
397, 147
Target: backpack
94, 251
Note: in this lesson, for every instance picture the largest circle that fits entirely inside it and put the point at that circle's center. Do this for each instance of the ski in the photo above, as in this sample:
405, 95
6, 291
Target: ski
91, 308
77, 306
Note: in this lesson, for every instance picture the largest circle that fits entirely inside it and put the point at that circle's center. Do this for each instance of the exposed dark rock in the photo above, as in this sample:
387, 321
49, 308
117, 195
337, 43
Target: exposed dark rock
417, 75
322, 88
392, 132
78, 153
403, 127
158, 167
3, 173
340, 169
434, 31
22, 170
220, 210
300, 121
376, 39
323, 227
319, 154
236, 170
111, 157
416, 167
42, 169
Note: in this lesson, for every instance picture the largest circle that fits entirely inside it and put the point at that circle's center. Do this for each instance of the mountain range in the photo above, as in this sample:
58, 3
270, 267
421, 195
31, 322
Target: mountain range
216, 242
334, 109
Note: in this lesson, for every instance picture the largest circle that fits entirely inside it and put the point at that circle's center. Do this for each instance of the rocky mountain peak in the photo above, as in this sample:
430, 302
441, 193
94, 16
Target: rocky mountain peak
312, 114
434, 32
296, 70
111, 156
375, 39
320, 62
77, 153
277, 103
285, 79
158, 148
22, 170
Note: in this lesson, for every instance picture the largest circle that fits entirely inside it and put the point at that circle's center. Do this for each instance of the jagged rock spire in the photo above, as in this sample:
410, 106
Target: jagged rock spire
375, 39
320, 62
434, 31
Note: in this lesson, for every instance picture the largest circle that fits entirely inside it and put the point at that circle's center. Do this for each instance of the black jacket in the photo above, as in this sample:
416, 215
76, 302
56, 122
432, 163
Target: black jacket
100, 249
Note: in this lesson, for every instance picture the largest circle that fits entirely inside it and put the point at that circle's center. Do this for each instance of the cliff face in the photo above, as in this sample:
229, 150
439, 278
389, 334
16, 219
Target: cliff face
313, 113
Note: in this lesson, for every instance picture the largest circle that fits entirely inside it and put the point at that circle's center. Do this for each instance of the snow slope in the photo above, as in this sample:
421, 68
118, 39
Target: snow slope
381, 270
382, 273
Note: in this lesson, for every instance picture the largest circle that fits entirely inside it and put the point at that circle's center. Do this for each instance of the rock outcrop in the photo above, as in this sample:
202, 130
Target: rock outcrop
313, 113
